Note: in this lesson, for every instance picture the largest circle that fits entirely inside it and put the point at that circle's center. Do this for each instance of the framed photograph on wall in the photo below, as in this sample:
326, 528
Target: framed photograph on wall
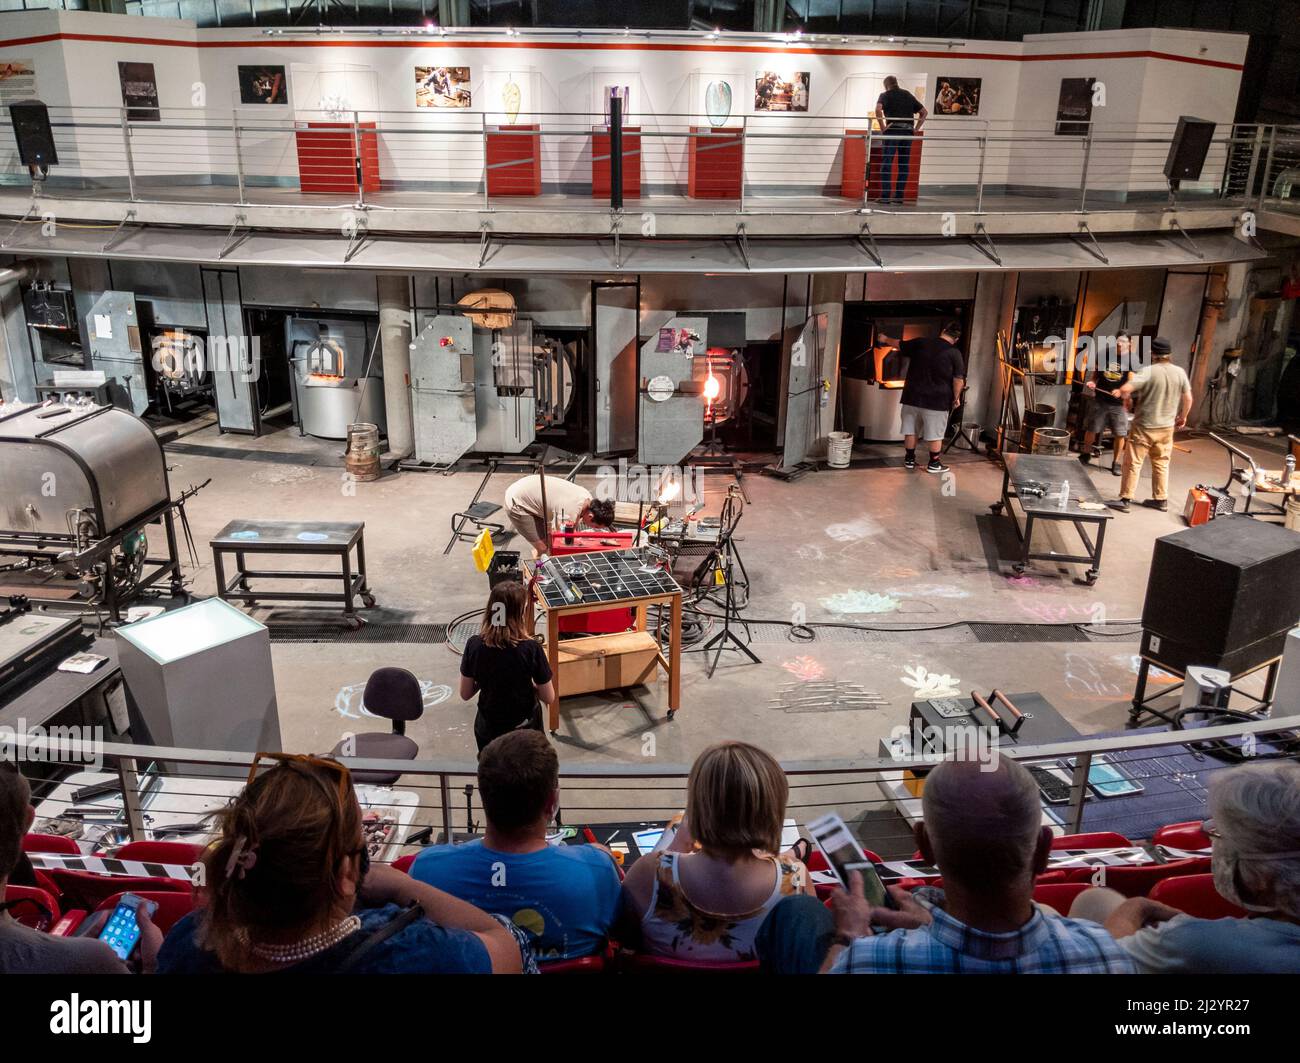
139, 91
263, 84
17, 81
442, 86
1074, 107
786, 92
957, 96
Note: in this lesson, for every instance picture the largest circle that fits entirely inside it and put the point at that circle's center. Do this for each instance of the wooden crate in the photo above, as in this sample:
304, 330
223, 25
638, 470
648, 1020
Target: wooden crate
606, 662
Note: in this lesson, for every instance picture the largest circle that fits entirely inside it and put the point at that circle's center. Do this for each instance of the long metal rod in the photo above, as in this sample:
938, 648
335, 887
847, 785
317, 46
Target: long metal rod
130, 163
239, 157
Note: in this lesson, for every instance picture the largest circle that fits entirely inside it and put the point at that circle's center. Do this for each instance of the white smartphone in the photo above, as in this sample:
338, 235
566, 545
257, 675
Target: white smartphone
843, 853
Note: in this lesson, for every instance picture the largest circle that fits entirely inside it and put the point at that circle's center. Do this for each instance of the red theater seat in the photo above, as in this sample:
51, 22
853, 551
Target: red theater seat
1137, 880
1059, 895
172, 907
33, 907
579, 965
1195, 895
85, 889
1102, 839
638, 963
1187, 835
50, 843
182, 854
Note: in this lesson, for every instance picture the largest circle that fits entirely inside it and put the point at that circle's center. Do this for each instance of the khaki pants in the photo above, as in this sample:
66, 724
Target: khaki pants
1159, 442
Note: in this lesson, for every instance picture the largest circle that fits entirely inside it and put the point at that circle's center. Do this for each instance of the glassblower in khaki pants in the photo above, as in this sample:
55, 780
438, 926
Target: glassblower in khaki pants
1162, 396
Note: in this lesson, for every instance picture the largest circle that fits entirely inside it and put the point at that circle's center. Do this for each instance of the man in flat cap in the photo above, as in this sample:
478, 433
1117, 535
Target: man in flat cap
1161, 396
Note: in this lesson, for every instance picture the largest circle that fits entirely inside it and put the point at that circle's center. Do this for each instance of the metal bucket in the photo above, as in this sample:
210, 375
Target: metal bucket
1051, 441
839, 449
362, 457
1040, 415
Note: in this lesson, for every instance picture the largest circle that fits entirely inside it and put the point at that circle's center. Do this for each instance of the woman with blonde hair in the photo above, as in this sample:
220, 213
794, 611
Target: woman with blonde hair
705, 896
506, 666
288, 887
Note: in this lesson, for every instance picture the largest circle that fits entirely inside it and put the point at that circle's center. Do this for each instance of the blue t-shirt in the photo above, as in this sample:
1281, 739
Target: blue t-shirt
424, 947
565, 896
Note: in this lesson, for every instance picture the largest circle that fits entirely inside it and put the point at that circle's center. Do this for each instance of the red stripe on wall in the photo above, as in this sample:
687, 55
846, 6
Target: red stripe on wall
282, 42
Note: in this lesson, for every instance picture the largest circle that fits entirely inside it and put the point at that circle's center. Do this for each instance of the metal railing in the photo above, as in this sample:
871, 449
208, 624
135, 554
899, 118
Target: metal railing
163, 792
434, 159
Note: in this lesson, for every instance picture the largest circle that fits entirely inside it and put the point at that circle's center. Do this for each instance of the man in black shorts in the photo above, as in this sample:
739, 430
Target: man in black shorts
1107, 408
936, 375
900, 114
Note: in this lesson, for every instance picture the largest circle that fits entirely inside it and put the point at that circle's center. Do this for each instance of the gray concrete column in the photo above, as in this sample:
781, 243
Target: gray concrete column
395, 351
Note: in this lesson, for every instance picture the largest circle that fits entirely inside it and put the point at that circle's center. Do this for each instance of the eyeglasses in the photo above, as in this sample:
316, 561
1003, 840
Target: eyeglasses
333, 766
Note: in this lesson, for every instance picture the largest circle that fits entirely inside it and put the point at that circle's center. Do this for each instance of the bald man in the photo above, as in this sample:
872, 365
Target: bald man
982, 828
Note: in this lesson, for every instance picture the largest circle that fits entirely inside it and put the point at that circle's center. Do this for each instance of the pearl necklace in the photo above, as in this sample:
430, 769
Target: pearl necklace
307, 947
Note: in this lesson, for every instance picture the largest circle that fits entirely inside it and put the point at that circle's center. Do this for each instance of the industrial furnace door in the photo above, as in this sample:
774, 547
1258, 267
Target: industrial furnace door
234, 365
615, 313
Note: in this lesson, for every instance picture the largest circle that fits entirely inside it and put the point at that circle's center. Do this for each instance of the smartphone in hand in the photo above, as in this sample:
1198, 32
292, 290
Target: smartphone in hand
122, 931
843, 853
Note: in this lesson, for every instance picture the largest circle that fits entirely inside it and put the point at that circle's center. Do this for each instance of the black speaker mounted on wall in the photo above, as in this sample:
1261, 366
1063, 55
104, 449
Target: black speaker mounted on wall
1188, 149
35, 136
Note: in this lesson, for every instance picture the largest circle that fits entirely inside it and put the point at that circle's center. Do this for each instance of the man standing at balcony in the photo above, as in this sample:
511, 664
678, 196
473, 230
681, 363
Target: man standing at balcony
900, 114
1162, 396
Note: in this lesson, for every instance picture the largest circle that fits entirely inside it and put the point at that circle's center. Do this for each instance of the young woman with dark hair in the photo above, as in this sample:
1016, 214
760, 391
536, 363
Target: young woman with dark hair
506, 666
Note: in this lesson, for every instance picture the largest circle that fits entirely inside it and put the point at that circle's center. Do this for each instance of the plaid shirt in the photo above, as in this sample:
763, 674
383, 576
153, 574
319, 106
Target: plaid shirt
1044, 945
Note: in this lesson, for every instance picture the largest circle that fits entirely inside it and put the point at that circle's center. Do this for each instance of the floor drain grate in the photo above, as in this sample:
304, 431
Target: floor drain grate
410, 634
1028, 633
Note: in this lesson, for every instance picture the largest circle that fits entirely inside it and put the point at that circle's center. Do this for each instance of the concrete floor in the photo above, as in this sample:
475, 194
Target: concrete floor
876, 546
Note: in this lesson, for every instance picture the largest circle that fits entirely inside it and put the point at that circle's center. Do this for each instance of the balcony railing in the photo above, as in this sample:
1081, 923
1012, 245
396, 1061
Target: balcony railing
166, 793
452, 161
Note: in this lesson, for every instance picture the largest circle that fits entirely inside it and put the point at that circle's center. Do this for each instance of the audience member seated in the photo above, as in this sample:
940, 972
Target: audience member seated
982, 828
566, 896
289, 887
706, 895
1255, 826
27, 951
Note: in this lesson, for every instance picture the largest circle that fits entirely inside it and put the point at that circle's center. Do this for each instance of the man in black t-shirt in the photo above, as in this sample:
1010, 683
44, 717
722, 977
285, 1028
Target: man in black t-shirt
936, 375
1107, 408
900, 115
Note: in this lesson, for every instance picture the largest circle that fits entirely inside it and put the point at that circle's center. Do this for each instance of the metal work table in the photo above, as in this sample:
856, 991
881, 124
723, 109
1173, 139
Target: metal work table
312, 538
1022, 471
614, 580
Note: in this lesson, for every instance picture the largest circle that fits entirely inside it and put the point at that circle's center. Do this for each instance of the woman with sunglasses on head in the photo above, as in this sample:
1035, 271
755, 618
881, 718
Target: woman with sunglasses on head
288, 886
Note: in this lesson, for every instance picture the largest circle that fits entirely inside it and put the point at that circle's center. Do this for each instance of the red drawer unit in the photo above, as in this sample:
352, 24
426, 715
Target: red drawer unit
606, 621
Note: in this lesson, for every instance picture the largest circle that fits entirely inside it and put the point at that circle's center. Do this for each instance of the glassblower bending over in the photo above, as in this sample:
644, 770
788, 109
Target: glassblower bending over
534, 506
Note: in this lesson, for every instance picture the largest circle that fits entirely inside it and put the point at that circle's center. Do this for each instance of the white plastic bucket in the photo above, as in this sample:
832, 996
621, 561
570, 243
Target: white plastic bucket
1292, 518
839, 449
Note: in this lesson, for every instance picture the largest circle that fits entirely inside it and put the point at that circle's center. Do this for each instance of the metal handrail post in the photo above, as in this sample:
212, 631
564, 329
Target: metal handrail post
239, 157
129, 781
744, 133
979, 181
866, 167
1256, 147
130, 163
1079, 791
356, 158
487, 199
1083, 179
1268, 165
444, 788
